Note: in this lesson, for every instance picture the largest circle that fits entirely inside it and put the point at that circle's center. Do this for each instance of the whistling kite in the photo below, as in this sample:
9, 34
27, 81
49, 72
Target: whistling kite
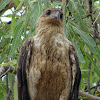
48, 67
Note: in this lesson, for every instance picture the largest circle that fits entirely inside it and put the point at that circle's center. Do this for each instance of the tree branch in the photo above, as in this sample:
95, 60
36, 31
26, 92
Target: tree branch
96, 87
8, 94
92, 88
90, 97
5, 69
88, 81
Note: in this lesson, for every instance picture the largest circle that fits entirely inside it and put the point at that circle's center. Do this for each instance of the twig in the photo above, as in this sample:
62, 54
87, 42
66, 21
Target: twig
90, 6
90, 9
96, 18
12, 81
92, 88
96, 87
89, 69
5, 69
7, 88
8, 94
12, 89
5, 73
90, 97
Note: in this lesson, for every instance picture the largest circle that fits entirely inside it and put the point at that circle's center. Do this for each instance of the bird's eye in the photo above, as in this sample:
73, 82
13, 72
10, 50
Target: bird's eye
48, 12
61, 16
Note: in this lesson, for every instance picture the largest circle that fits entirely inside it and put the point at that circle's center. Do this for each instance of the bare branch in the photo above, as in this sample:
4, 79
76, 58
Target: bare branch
96, 87
88, 81
90, 6
90, 97
8, 94
5, 69
96, 18
92, 88
7, 86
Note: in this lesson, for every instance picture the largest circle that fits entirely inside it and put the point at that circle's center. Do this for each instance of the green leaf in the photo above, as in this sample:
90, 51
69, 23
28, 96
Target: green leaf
1, 32
84, 70
28, 15
37, 8
46, 3
20, 21
26, 2
80, 55
56, 3
82, 98
78, 16
81, 10
12, 62
5, 50
3, 3
16, 2
7, 36
32, 13
67, 30
2, 59
77, 10
15, 91
2, 90
86, 38
97, 70
13, 24
16, 40
72, 5
20, 5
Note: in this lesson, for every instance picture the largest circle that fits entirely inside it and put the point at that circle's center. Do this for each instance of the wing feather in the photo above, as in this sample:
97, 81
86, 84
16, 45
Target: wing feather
21, 71
76, 73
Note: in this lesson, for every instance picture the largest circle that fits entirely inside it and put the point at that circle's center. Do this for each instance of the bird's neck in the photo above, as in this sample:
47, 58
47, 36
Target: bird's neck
49, 30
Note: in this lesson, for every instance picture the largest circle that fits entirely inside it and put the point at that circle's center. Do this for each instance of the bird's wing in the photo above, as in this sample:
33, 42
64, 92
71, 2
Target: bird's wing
76, 73
21, 70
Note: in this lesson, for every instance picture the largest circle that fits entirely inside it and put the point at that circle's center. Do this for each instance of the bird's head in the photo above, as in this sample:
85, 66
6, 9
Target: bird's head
51, 16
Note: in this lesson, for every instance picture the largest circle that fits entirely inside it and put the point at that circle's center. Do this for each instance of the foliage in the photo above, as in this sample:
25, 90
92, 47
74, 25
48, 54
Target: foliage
82, 26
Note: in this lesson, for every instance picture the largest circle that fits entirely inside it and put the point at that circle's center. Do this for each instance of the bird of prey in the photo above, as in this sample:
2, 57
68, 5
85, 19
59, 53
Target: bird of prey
48, 67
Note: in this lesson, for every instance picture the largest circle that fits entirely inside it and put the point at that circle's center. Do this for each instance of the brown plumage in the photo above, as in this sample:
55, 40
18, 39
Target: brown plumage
48, 66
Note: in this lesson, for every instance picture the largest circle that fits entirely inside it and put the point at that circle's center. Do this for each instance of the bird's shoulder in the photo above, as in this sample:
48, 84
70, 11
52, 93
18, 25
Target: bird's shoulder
28, 41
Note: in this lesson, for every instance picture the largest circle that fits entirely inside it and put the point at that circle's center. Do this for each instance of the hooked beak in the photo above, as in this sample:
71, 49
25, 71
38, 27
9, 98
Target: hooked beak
55, 15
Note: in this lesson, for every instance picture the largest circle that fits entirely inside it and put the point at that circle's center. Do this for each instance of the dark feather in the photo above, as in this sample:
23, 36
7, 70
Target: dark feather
77, 81
21, 74
75, 88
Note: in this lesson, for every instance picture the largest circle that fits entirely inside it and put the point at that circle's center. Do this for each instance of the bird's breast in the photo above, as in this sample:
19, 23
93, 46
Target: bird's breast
48, 69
